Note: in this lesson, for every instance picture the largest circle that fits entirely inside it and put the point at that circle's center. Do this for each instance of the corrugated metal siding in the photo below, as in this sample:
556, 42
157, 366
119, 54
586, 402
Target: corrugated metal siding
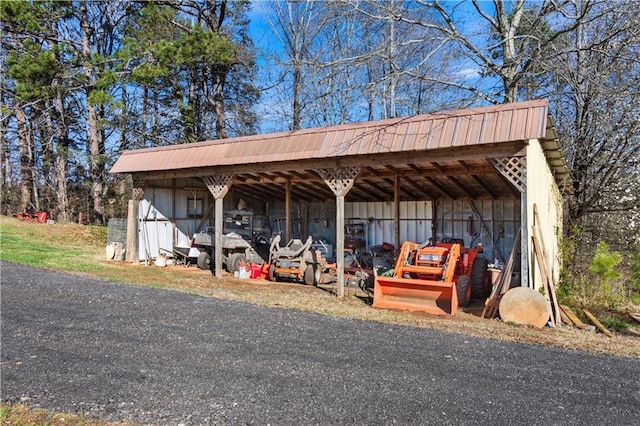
502, 123
415, 220
501, 219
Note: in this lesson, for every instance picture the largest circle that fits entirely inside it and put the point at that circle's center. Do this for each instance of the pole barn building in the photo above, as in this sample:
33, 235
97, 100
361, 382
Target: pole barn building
483, 175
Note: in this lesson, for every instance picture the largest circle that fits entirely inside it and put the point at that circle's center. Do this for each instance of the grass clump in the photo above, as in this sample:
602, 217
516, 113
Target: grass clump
21, 415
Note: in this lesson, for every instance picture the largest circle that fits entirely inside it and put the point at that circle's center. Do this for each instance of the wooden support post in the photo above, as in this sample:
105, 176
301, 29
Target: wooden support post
132, 254
218, 222
340, 180
132, 232
218, 185
396, 211
340, 244
287, 212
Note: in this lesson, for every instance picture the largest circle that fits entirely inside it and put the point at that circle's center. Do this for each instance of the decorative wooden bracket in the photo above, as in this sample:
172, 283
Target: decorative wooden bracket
138, 189
340, 179
514, 169
218, 185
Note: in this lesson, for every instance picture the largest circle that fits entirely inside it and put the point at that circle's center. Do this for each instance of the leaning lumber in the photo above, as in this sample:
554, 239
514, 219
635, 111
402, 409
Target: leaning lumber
554, 314
566, 319
492, 304
541, 255
573, 318
597, 323
635, 316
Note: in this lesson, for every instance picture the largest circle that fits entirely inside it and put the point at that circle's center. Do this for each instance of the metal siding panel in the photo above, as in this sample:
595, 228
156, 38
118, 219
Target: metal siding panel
409, 131
488, 127
396, 139
371, 142
326, 148
436, 134
184, 232
462, 131
453, 135
422, 143
505, 126
445, 139
347, 144
349, 210
520, 127
360, 144
418, 135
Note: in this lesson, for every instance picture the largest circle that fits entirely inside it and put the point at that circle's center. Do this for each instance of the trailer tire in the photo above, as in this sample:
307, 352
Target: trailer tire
478, 278
234, 260
463, 290
204, 261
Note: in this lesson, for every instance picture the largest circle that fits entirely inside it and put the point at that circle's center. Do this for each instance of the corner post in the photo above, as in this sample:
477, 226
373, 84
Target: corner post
133, 239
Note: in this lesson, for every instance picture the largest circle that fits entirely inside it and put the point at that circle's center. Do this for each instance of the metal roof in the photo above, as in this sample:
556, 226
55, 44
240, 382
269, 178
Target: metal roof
443, 154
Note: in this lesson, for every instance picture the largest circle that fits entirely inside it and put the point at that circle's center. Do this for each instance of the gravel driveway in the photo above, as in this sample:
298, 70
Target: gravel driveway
122, 352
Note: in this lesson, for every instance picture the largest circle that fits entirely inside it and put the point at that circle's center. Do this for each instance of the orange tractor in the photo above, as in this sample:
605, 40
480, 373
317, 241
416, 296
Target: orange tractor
433, 279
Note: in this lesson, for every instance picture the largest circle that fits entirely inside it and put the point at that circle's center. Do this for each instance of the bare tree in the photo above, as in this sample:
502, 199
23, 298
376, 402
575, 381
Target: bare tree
297, 25
95, 141
597, 104
339, 54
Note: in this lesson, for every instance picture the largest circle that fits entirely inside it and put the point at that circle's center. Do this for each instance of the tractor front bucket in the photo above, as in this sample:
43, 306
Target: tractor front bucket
433, 297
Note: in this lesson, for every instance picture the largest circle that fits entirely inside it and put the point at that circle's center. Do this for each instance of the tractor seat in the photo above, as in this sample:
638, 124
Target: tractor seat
294, 249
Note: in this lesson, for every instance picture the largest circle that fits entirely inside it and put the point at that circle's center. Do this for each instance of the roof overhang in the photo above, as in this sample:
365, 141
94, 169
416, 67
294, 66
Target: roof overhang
444, 155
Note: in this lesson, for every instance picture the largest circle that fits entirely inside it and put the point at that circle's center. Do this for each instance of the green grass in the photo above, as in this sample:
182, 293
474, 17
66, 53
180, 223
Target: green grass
615, 323
52, 246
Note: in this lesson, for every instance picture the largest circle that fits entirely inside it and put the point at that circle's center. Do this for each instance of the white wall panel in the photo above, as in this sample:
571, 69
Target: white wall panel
415, 220
543, 191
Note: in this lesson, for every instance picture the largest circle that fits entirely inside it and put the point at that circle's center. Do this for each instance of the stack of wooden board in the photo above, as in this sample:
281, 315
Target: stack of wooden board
547, 279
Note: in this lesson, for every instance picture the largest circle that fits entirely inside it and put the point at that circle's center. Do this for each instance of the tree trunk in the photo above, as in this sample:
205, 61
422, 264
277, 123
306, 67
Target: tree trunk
95, 142
297, 109
48, 160
218, 107
508, 23
62, 148
5, 165
26, 178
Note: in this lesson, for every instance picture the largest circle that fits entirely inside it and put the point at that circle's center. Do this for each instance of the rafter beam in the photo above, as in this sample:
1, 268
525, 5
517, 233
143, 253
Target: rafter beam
484, 186
462, 187
378, 187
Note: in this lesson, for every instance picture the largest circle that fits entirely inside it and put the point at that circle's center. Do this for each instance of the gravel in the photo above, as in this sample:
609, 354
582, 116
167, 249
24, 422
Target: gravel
120, 352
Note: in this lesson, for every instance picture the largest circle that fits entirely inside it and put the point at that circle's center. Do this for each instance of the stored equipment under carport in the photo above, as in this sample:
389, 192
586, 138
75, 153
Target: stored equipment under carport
433, 279
296, 261
236, 251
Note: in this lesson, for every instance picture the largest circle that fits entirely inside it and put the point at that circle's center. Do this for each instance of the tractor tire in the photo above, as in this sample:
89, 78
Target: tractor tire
312, 275
478, 278
272, 273
463, 290
204, 261
234, 260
